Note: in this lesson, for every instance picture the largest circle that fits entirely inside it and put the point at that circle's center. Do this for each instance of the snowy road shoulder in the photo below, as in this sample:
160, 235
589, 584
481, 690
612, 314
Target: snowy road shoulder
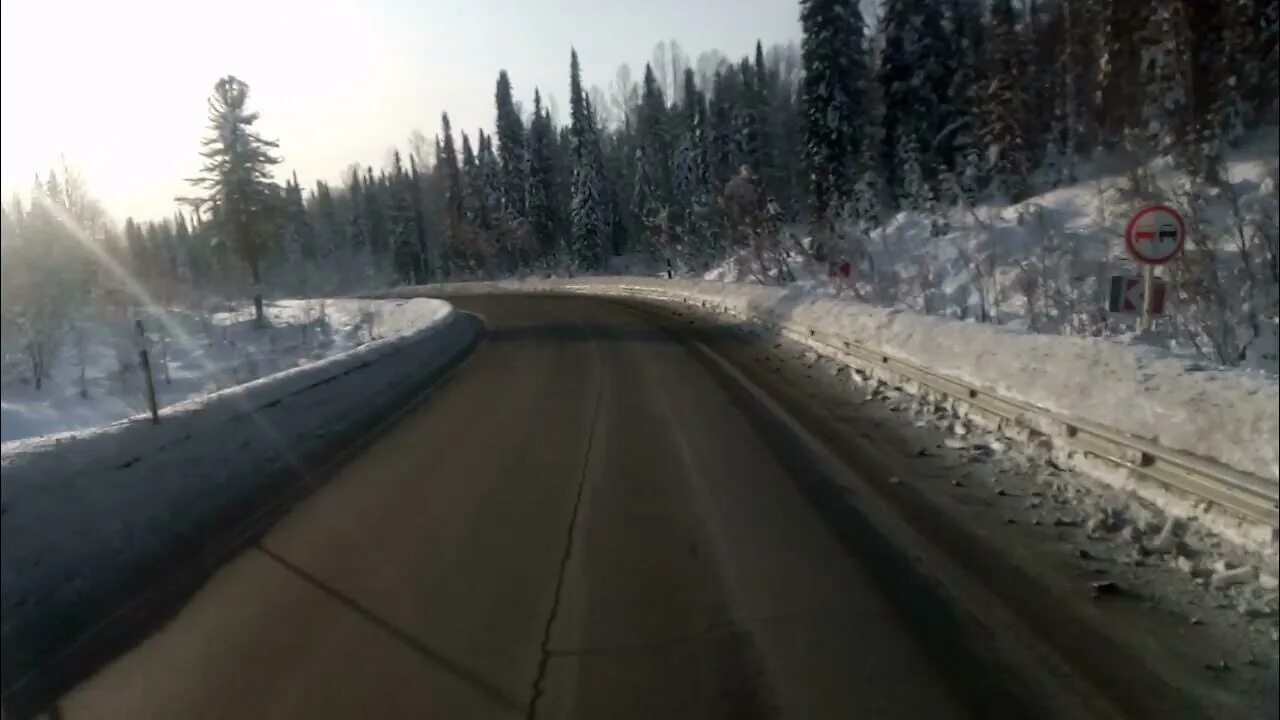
1227, 416
85, 513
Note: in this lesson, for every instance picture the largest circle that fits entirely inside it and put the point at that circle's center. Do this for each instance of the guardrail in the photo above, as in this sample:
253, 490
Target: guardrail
1252, 498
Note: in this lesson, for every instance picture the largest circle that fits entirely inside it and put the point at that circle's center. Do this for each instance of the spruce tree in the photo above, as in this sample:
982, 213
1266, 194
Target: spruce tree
589, 223
724, 158
188, 263
913, 84
834, 68
237, 178
692, 174
407, 256
511, 148
1005, 105
761, 97
452, 183
375, 213
540, 206
418, 195
297, 238
654, 135
1121, 95
357, 239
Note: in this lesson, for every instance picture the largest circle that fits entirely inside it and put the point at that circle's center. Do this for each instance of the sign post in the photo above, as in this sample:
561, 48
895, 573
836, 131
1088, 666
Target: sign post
1148, 292
1154, 236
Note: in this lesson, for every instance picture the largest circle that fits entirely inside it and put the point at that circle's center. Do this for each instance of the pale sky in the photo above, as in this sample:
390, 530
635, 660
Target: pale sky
120, 87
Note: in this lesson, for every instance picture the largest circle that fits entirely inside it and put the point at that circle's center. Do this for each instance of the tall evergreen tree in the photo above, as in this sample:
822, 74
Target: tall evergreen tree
1121, 93
723, 153
1005, 105
914, 85
375, 213
589, 221
834, 68
692, 174
451, 181
511, 148
407, 255
540, 207
654, 135
328, 227
297, 239
237, 178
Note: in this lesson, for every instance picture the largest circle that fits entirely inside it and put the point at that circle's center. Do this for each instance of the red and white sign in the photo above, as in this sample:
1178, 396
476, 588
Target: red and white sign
1155, 235
1126, 295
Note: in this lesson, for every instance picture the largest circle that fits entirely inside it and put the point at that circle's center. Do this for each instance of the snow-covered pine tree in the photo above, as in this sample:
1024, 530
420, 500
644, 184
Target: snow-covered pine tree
407, 256
692, 176
723, 159
375, 212
236, 177
958, 142
588, 226
511, 148
654, 131
914, 77
748, 123
1045, 87
765, 81
298, 239
188, 262
1166, 76
357, 236
1005, 105
1082, 32
540, 207
1121, 94
421, 197
834, 68
451, 182
645, 203
497, 221
324, 218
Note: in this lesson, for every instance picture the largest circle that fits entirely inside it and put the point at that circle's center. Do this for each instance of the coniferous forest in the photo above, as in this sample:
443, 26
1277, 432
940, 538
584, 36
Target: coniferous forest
926, 107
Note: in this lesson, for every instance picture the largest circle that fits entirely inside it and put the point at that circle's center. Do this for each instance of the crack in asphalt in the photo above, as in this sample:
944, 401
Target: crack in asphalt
545, 648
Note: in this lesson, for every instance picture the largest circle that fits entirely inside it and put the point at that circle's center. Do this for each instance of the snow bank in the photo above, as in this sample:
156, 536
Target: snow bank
86, 513
1228, 415
1044, 264
193, 354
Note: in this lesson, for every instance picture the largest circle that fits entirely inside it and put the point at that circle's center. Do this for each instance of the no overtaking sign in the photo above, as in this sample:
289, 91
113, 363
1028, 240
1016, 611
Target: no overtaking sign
1155, 235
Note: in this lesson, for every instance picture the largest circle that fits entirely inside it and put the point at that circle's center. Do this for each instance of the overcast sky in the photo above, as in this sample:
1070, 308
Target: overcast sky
120, 87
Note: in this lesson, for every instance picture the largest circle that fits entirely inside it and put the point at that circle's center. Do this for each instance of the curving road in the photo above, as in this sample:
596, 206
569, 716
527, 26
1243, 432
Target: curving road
593, 519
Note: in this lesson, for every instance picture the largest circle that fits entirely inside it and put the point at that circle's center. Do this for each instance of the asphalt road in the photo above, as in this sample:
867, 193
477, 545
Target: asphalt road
587, 520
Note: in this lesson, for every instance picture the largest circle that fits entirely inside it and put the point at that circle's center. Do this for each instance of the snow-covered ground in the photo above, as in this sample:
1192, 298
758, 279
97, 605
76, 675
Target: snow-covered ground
1045, 264
86, 512
192, 355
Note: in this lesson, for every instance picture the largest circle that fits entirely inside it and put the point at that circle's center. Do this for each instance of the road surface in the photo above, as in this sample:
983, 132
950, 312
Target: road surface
587, 520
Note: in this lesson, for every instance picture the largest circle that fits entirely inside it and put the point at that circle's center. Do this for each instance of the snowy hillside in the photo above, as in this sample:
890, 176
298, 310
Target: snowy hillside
192, 355
1044, 264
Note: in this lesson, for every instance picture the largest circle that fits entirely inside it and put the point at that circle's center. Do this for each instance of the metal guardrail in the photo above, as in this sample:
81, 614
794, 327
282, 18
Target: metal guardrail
1246, 495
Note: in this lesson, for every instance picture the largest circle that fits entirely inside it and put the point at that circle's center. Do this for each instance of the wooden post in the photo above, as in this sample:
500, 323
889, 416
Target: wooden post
145, 363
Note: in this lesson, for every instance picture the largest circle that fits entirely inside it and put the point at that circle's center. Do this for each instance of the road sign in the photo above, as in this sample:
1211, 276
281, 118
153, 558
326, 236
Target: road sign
1155, 235
1126, 295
